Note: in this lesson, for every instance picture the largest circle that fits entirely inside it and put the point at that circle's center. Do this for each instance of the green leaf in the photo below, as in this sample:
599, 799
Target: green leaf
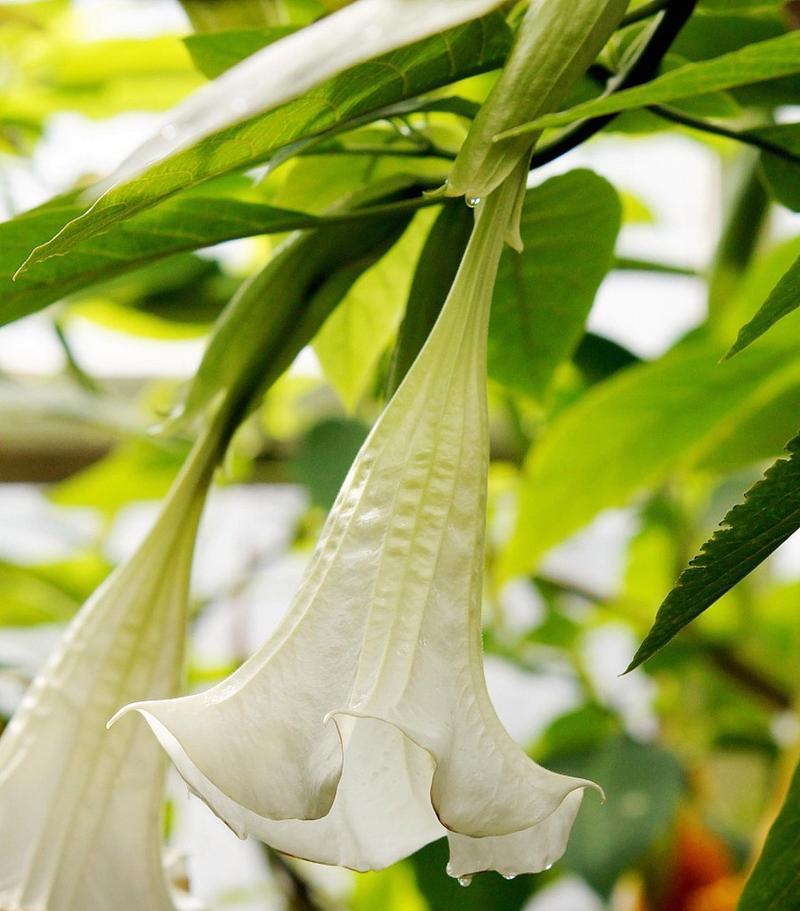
215, 52
749, 533
543, 295
784, 299
643, 787
774, 884
355, 335
632, 431
754, 63
187, 222
341, 101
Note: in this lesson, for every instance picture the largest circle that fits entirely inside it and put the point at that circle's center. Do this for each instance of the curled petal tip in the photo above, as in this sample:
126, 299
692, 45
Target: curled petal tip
133, 707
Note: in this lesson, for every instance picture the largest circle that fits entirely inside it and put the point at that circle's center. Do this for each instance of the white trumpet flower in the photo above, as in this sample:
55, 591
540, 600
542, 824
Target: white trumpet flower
363, 728
80, 806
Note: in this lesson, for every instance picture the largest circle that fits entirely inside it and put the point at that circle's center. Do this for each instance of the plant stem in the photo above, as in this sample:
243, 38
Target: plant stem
704, 126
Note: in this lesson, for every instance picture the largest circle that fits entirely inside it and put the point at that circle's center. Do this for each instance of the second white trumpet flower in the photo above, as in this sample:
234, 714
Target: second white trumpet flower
363, 728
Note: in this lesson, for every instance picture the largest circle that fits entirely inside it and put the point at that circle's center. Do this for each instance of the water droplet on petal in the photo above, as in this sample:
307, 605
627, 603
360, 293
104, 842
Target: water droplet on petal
464, 881
473, 201
509, 876
548, 867
168, 131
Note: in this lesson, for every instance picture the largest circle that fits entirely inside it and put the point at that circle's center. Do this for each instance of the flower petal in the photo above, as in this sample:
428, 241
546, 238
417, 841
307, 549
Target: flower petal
529, 851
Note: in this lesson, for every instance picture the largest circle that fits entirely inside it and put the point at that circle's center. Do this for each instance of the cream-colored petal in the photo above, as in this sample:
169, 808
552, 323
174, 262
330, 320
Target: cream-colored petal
529, 851
386, 632
80, 807
384, 776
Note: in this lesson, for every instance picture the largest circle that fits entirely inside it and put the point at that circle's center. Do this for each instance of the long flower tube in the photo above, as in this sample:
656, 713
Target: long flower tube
80, 807
363, 728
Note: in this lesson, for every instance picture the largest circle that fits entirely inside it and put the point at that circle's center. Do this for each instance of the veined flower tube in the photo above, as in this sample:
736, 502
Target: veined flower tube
80, 807
363, 728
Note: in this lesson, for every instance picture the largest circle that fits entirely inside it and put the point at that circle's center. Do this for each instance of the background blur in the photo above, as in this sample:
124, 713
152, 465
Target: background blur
693, 751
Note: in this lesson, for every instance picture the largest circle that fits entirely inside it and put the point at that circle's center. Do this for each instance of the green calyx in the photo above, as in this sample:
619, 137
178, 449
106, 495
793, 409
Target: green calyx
557, 42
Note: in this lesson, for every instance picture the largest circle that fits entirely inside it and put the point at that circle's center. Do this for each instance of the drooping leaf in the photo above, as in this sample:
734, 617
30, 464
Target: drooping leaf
187, 222
611, 443
281, 72
774, 884
337, 103
754, 63
784, 299
748, 534
543, 295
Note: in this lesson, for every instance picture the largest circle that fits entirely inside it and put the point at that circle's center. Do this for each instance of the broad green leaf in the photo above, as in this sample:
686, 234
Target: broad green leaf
755, 63
355, 335
784, 299
632, 431
187, 222
643, 786
543, 295
370, 87
774, 884
215, 52
749, 533
281, 72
